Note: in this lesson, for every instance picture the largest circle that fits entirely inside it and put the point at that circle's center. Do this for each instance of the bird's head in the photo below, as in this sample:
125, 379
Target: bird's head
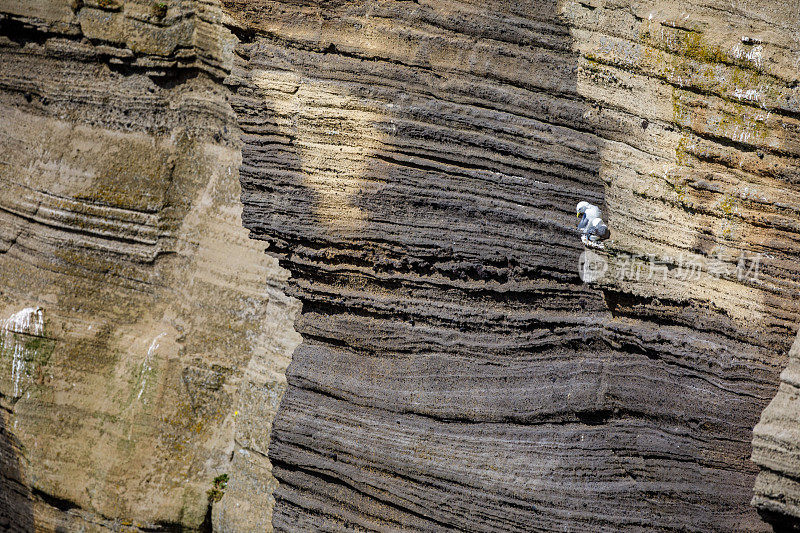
581, 208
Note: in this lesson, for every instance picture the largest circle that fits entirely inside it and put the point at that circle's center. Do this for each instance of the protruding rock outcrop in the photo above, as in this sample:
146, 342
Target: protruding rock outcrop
776, 449
141, 350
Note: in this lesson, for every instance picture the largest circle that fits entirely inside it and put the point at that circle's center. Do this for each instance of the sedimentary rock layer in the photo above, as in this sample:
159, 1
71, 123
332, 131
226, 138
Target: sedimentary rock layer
776, 450
700, 157
141, 350
415, 165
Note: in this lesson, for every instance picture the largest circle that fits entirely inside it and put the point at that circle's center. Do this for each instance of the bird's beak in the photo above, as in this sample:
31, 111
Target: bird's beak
578, 215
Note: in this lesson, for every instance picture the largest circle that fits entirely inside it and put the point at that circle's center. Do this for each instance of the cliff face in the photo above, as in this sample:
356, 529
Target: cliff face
775, 449
416, 165
142, 339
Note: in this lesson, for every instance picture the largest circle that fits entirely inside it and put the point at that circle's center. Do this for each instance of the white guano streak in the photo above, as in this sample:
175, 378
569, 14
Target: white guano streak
29, 321
146, 366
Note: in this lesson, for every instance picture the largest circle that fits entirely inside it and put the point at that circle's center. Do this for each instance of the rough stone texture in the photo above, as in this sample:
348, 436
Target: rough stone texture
143, 341
776, 449
415, 165
248, 501
718, 189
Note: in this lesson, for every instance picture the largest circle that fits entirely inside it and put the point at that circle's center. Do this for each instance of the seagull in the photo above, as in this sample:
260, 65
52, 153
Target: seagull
593, 229
586, 213
595, 233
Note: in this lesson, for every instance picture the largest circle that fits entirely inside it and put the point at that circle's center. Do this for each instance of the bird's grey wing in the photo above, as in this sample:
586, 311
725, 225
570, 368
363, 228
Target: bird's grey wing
597, 230
593, 212
601, 231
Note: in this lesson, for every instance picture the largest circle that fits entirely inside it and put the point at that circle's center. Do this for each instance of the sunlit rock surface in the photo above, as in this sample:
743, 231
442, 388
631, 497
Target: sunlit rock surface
143, 338
415, 165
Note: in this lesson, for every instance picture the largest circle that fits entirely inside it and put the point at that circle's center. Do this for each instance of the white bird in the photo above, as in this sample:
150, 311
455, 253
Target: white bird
593, 229
595, 233
586, 213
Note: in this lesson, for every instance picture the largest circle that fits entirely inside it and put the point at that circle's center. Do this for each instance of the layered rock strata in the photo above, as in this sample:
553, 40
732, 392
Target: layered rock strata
776, 451
144, 339
415, 167
699, 116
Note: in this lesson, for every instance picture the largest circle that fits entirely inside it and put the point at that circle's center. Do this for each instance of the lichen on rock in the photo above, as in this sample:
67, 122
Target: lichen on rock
120, 217
414, 167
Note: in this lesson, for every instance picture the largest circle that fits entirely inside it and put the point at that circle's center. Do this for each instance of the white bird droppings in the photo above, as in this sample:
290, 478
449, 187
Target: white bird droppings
29, 321
146, 364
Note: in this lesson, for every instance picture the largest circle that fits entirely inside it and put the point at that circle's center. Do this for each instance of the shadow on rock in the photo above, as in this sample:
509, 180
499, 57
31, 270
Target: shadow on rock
16, 504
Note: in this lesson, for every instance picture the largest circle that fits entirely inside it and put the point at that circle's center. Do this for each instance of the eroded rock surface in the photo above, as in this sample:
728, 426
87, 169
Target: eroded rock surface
776, 449
143, 338
416, 165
